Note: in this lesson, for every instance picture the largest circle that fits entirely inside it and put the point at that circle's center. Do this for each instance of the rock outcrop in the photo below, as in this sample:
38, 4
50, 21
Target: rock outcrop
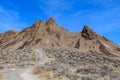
47, 33
87, 33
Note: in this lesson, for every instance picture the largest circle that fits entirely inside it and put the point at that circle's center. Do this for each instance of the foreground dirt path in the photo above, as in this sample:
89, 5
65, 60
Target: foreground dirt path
39, 53
19, 74
27, 75
12, 74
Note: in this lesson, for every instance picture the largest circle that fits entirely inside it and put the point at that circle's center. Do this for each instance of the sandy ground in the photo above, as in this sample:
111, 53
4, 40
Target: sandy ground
12, 74
19, 74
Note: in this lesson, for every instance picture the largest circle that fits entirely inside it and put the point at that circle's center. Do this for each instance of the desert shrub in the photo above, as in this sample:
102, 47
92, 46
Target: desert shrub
86, 78
60, 78
1, 77
1, 67
73, 77
42, 72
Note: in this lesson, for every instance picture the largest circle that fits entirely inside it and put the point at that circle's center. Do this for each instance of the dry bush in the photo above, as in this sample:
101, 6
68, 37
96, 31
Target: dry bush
60, 78
1, 77
41, 71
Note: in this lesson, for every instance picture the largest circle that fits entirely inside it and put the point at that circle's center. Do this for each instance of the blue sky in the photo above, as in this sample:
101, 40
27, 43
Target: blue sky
103, 16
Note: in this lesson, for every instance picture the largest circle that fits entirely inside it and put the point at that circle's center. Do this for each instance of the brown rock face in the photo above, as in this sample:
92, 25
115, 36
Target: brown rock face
7, 36
49, 34
37, 23
87, 33
50, 21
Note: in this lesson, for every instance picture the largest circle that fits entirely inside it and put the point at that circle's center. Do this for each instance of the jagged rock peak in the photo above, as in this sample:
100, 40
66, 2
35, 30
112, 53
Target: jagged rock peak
86, 27
89, 33
37, 23
50, 21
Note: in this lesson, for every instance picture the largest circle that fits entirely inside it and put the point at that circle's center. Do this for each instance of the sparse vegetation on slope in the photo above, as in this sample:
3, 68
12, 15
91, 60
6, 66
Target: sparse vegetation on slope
17, 58
81, 66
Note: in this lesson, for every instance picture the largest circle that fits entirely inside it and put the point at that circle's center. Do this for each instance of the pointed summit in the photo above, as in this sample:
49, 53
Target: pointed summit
50, 21
37, 23
86, 27
89, 33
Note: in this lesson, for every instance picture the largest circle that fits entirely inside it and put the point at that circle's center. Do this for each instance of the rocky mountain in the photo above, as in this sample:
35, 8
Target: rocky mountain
47, 51
49, 34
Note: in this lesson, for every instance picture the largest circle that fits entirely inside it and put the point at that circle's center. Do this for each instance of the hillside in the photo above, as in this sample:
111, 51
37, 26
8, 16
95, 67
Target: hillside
47, 51
49, 34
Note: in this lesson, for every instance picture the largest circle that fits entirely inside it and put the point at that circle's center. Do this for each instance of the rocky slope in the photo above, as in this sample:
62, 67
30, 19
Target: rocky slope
65, 64
49, 34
